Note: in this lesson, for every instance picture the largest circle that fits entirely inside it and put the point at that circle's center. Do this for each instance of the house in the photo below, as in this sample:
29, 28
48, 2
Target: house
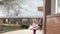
52, 17
19, 20
11, 12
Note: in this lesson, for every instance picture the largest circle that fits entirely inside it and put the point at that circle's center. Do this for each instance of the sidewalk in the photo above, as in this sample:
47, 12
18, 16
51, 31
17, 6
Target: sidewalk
23, 32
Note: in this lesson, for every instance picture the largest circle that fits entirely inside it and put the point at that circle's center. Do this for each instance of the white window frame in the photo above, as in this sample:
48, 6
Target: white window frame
57, 11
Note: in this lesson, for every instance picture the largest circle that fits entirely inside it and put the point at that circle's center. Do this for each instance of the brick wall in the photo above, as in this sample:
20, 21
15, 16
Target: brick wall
53, 25
1, 21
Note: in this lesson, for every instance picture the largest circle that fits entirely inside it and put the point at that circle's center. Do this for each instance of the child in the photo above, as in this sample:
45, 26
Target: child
34, 28
40, 25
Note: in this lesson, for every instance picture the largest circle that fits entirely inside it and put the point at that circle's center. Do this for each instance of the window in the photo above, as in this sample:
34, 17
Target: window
24, 21
57, 6
17, 21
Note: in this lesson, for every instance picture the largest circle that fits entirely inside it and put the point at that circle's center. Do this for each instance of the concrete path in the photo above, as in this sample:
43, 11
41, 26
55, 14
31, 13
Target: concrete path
23, 32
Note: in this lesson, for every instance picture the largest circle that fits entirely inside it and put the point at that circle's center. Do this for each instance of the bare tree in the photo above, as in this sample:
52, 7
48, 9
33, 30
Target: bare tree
14, 5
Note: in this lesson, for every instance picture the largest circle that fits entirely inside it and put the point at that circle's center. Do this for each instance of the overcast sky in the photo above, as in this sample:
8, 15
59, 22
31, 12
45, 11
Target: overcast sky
30, 5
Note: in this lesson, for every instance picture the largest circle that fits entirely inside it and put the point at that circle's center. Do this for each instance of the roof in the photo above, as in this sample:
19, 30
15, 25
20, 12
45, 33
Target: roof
19, 17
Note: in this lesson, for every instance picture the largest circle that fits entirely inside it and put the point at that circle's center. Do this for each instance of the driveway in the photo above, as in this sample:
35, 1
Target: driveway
23, 32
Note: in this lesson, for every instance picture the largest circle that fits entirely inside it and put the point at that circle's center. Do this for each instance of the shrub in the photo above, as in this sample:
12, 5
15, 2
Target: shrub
24, 26
9, 28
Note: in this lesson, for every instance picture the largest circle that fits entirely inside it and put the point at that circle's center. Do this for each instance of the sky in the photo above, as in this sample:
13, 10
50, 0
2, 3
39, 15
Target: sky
30, 5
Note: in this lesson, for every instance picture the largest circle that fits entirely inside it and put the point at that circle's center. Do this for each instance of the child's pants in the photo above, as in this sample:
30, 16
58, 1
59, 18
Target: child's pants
34, 31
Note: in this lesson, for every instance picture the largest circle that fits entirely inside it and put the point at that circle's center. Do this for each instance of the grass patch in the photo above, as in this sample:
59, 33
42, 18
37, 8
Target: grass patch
4, 28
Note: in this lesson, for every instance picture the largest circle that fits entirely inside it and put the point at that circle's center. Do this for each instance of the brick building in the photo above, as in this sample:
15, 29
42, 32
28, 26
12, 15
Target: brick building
19, 20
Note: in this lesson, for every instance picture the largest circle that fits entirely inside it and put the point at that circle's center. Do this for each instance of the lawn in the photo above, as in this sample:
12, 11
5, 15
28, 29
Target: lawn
4, 28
